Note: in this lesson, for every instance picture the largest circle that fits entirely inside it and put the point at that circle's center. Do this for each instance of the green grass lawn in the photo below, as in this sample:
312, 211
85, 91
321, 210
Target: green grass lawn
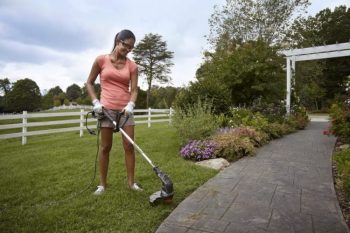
53, 167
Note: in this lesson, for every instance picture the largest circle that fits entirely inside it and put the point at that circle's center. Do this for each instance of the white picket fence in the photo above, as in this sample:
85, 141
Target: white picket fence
149, 116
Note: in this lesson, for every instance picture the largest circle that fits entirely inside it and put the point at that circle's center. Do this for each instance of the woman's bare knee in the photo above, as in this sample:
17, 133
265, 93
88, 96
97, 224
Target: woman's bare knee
105, 149
128, 147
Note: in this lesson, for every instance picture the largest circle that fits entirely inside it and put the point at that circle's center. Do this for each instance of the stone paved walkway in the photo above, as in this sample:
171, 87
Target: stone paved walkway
286, 187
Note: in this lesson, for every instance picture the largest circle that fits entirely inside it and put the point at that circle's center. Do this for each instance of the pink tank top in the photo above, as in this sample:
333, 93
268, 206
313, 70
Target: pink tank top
115, 83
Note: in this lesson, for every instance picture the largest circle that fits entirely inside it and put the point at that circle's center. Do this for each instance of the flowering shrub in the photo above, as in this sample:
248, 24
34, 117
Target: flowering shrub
327, 132
195, 122
297, 121
277, 130
258, 138
245, 117
231, 146
274, 112
340, 122
198, 150
342, 160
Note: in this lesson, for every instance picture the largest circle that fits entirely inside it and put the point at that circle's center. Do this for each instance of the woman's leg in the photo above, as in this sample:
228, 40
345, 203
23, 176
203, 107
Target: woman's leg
129, 154
105, 148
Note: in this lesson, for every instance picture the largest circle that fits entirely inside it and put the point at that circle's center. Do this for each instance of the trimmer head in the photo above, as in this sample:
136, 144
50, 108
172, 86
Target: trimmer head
165, 195
158, 197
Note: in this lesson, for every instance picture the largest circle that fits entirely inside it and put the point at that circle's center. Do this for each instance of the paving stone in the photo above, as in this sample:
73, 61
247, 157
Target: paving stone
316, 204
234, 227
210, 224
233, 171
171, 229
290, 223
250, 215
181, 218
320, 189
196, 231
192, 205
329, 223
286, 203
280, 177
289, 189
222, 185
218, 203
262, 198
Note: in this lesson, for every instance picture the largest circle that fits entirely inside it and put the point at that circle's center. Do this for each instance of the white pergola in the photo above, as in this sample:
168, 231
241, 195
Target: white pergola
313, 53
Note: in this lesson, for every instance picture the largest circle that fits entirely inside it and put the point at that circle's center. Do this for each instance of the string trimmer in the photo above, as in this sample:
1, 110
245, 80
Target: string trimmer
166, 193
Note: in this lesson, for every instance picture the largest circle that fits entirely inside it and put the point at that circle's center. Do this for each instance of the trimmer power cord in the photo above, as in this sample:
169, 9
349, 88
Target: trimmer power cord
95, 168
73, 195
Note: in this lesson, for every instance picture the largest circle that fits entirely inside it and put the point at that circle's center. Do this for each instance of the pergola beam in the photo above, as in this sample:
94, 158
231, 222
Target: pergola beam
313, 53
317, 49
343, 53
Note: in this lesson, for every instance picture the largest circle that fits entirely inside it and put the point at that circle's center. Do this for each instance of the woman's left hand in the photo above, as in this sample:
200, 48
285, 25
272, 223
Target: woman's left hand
129, 108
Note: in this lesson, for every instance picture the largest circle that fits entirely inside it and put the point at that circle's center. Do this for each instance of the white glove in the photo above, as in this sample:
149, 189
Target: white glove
129, 108
97, 106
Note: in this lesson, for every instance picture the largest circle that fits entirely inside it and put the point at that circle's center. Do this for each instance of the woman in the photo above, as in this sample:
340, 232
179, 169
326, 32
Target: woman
118, 80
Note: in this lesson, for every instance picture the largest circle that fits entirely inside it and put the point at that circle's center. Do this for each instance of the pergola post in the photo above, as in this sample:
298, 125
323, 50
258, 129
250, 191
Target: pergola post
289, 80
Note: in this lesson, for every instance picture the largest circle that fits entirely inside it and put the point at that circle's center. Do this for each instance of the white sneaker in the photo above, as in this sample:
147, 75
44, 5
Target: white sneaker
100, 190
136, 187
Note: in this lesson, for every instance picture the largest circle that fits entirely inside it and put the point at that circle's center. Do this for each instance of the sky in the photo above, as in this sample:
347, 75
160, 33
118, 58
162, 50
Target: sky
55, 42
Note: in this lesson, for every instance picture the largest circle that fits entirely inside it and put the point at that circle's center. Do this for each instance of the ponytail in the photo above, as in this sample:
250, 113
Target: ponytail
123, 35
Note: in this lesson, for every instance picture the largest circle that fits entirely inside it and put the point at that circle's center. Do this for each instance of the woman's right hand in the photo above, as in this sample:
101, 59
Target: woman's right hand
97, 106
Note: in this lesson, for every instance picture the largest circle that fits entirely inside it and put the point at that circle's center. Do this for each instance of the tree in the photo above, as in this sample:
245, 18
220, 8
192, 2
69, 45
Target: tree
47, 101
250, 72
250, 20
141, 99
73, 92
154, 60
5, 86
85, 98
163, 97
55, 91
25, 95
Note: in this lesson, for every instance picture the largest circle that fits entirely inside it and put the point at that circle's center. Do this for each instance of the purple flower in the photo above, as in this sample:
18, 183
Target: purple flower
198, 150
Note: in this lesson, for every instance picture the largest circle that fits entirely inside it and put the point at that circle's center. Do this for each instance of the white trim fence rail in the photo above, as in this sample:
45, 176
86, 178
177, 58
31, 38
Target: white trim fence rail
146, 116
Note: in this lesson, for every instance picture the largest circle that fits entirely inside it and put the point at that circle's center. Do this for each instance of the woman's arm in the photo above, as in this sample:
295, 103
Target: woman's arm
95, 70
133, 90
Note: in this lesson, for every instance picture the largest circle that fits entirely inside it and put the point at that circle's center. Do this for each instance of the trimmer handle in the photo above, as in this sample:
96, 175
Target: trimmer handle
116, 121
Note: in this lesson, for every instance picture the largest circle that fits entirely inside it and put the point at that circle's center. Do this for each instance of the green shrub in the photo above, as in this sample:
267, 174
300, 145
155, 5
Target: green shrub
340, 122
232, 146
236, 116
274, 112
195, 122
245, 117
297, 121
258, 138
223, 121
342, 160
276, 130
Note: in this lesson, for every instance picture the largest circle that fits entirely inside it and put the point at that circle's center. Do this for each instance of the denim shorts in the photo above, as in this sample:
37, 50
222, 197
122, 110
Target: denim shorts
106, 123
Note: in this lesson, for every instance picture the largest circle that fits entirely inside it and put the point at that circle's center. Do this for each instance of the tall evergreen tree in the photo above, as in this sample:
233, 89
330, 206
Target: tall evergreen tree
154, 60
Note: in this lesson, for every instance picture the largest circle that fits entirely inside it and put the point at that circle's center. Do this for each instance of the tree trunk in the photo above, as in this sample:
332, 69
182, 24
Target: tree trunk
148, 95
